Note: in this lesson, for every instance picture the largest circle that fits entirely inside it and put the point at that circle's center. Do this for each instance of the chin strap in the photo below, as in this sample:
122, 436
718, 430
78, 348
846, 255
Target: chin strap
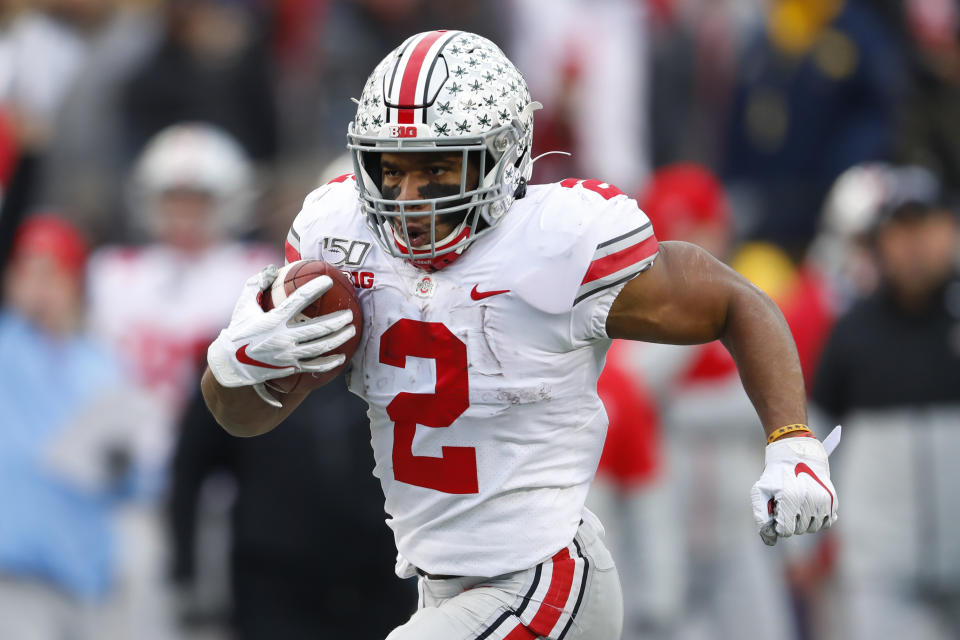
429, 262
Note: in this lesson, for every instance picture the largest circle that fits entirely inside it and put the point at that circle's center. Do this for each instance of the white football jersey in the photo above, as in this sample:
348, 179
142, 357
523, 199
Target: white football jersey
160, 308
481, 378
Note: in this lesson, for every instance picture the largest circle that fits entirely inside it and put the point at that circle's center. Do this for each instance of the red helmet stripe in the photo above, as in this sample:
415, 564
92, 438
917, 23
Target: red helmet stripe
411, 74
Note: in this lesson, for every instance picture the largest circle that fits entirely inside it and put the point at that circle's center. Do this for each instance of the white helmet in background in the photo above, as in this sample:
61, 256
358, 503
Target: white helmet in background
443, 91
862, 194
857, 203
201, 158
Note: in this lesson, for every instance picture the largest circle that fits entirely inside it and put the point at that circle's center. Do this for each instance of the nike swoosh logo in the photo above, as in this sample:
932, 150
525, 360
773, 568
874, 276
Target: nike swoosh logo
480, 295
245, 359
803, 468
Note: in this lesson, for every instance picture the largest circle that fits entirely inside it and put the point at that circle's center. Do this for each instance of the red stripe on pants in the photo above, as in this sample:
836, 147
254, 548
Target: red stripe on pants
560, 584
520, 632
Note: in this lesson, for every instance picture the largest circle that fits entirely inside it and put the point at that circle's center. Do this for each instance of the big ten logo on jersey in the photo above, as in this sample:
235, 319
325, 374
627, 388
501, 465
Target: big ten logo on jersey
403, 131
360, 279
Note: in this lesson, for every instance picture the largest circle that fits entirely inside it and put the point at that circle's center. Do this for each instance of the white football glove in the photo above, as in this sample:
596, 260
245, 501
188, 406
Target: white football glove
794, 494
262, 345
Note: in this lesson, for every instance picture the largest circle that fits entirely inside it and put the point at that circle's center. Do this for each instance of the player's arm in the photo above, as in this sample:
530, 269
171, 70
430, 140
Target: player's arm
689, 297
686, 297
241, 411
261, 345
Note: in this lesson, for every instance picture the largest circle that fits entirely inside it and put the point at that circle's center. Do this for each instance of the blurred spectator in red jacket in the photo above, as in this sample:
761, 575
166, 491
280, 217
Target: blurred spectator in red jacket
629, 494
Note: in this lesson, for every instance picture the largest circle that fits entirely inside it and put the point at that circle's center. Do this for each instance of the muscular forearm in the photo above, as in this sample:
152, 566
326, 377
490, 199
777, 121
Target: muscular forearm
760, 342
240, 411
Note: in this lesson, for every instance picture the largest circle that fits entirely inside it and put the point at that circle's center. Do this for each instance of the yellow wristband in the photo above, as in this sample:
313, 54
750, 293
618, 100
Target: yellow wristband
790, 428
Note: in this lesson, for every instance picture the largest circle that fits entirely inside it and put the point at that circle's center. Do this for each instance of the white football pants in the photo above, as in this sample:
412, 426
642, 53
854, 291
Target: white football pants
575, 595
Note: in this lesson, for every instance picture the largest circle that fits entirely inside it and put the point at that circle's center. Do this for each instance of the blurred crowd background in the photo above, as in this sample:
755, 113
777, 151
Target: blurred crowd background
153, 154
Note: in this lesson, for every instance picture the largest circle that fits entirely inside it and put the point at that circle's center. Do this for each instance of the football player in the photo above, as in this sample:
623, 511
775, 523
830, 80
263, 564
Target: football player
158, 303
488, 307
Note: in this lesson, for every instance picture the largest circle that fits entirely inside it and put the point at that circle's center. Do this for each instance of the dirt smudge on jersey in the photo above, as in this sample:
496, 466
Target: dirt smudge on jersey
524, 395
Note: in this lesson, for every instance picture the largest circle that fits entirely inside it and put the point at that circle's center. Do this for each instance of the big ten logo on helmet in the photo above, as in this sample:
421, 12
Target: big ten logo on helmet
403, 131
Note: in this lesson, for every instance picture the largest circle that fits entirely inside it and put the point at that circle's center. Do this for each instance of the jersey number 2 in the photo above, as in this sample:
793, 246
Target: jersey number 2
456, 470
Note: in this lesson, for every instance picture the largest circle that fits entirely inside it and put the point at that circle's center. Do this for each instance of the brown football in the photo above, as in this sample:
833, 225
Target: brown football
341, 295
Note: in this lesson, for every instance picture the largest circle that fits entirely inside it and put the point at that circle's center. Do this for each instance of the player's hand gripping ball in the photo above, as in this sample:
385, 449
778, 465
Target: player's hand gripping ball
341, 295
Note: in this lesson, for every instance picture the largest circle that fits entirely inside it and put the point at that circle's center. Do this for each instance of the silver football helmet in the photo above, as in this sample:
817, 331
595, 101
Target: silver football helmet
443, 91
198, 157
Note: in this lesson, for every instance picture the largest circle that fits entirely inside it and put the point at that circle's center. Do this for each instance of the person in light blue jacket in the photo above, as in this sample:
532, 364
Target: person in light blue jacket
66, 443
